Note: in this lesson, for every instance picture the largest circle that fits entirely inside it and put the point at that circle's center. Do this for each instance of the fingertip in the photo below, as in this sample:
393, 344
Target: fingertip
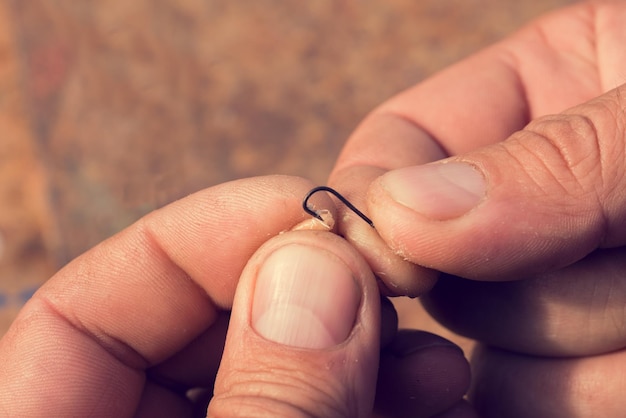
397, 275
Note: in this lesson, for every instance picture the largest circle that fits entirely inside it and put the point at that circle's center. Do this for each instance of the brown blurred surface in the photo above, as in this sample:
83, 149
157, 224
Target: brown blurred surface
109, 109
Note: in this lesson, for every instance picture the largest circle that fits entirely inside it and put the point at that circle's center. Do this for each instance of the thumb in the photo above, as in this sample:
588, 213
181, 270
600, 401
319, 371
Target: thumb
303, 337
544, 198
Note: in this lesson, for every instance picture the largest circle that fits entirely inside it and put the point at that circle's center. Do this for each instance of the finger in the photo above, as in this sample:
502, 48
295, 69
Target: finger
543, 199
79, 347
575, 311
421, 375
303, 338
195, 366
395, 141
516, 386
556, 62
479, 101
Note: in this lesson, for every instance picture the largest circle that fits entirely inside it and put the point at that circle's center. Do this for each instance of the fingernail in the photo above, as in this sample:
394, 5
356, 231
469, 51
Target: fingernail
438, 191
305, 297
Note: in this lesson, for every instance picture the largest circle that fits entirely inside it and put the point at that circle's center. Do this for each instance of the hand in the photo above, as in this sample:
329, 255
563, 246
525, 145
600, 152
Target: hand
137, 326
530, 135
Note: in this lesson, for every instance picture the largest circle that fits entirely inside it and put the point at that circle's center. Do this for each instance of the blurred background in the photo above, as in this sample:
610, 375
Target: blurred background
111, 108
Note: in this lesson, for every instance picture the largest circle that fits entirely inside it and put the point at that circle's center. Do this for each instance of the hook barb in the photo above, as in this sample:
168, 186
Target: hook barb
307, 209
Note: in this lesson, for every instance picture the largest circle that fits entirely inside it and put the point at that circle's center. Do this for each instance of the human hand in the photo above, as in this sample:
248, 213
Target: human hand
137, 326
521, 195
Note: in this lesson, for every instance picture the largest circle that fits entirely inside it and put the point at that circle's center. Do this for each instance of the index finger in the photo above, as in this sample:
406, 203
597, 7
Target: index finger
556, 62
80, 345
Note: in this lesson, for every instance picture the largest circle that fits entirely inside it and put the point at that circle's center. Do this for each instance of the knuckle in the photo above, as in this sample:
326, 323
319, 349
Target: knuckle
279, 392
579, 154
570, 149
577, 160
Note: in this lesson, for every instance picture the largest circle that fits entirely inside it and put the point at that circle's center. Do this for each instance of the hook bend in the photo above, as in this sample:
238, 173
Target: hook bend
307, 209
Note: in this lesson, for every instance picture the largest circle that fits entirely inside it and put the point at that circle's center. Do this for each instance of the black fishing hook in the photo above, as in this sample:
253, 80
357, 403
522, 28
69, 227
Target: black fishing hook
307, 209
